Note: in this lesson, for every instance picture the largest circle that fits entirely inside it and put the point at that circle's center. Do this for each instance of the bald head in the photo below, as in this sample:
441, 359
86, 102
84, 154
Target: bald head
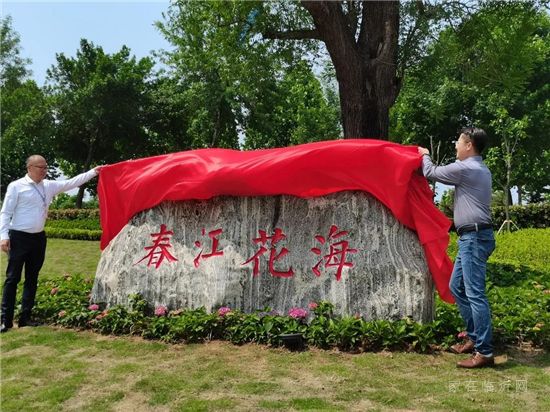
34, 159
37, 168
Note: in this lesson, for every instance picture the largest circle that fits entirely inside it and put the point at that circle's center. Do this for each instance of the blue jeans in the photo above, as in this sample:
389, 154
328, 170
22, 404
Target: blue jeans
468, 287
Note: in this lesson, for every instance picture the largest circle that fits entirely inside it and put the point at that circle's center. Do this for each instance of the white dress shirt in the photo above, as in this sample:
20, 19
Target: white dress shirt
25, 206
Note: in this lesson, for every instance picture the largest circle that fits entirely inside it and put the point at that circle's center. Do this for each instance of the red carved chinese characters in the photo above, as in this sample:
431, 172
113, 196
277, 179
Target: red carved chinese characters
214, 250
337, 253
159, 250
273, 255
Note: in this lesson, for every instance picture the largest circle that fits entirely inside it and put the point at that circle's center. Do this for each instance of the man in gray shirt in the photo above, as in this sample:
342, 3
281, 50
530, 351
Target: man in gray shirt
472, 219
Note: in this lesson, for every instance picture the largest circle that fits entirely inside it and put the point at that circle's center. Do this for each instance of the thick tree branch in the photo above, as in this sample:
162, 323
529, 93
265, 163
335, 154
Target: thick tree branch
332, 24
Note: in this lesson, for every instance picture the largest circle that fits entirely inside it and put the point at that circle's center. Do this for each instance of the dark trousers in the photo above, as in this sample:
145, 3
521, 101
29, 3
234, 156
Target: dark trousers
29, 250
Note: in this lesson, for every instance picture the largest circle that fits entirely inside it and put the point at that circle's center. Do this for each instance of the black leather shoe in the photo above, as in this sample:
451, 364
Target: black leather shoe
4, 328
23, 323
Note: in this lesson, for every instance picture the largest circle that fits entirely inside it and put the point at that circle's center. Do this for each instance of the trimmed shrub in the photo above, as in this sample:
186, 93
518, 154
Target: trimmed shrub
533, 215
87, 224
76, 224
73, 234
73, 214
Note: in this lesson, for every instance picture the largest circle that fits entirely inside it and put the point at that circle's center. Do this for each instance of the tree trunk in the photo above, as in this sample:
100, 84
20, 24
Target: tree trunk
80, 196
520, 195
507, 195
86, 167
366, 68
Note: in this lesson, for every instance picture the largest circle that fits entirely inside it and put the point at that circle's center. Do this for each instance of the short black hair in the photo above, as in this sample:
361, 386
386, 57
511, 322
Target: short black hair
477, 136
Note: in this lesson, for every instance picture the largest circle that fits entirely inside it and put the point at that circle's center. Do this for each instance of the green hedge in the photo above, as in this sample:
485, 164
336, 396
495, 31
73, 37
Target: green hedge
73, 214
87, 224
534, 215
73, 234
76, 224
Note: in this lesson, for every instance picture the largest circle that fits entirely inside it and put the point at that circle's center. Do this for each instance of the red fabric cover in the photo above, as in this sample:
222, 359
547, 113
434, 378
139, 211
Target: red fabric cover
388, 171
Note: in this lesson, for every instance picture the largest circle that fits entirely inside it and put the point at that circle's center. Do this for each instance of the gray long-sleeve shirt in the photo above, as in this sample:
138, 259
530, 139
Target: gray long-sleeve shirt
472, 182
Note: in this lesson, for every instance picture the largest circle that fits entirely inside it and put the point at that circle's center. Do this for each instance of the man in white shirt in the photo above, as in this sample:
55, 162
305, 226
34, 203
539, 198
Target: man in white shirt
22, 236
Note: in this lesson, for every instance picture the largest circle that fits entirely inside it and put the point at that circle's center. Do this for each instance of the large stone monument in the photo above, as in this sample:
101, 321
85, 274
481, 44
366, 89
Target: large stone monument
280, 252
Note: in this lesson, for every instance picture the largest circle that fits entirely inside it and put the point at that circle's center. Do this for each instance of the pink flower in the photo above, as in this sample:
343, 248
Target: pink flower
93, 307
312, 305
54, 291
463, 335
297, 313
62, 313
224, 310
161, 311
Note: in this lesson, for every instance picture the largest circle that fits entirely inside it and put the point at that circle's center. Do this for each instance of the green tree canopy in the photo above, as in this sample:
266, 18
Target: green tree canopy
26, 122
100, 102
492, 71
235, 84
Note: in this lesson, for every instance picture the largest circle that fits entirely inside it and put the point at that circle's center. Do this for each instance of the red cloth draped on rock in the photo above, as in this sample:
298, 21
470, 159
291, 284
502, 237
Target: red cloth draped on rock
388, 171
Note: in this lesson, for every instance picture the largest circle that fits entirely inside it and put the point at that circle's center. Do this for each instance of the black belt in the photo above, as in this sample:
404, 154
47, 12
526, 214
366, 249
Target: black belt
475, 227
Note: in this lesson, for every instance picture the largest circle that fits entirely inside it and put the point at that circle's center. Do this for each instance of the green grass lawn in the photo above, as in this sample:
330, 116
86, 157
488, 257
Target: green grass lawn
529, 247
49, 368
66, 256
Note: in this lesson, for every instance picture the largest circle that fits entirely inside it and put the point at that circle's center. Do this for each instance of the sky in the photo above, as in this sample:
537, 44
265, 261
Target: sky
49, 27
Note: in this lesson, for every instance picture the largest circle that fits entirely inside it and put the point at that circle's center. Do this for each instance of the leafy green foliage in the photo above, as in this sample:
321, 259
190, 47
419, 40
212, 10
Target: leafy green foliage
533, 215
73, 214
492, 71
26, 121
82, 224
74, 234
66, 201
100, 103
527, 248
234, 81
13, 65
88, 224
518, 252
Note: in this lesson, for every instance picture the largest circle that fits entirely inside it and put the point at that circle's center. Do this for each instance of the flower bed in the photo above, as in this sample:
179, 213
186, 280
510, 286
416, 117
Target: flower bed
519, 297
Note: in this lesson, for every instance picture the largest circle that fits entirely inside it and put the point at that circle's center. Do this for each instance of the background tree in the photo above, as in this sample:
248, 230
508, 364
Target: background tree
368, 43
100, 106
505, 75
238, 86
26, 123
168, 117
492, 69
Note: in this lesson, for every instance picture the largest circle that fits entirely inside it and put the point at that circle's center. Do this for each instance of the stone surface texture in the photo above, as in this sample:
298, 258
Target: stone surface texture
389, 278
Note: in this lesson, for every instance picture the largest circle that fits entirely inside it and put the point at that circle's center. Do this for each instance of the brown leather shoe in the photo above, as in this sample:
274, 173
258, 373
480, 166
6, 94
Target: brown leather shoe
477, 361
466, 347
